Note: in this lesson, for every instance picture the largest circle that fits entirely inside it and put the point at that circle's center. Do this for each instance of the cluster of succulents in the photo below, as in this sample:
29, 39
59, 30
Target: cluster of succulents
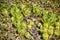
19, 23
47, 29
19, 16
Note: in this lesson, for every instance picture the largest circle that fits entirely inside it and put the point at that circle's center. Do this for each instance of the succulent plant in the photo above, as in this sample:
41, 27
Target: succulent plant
50, 30
22, 6
30, 24
36, 10
45, 36
39, 25
27, 35
5, 12
44, 28
26, 12
47, 29
49, 18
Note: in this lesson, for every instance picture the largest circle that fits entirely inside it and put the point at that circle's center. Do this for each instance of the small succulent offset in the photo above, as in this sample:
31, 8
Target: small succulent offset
26, 12
30, 24
39, 25
36, 10
27, 34
22, 6
4, 12
45, 36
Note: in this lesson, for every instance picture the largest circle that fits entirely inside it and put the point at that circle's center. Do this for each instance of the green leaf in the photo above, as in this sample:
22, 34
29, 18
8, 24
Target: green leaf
49, 18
